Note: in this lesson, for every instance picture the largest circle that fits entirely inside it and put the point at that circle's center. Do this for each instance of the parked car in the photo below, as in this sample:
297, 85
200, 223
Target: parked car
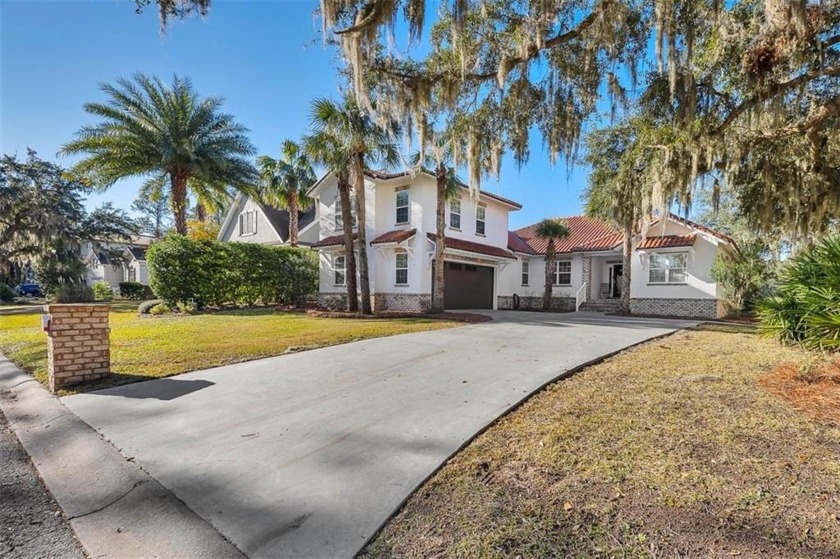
29, 290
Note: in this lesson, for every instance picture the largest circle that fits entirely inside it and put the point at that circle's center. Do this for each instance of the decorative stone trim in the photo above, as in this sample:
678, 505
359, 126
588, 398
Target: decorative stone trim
558, 304
332, 301
695, 308
78, 346
402, 302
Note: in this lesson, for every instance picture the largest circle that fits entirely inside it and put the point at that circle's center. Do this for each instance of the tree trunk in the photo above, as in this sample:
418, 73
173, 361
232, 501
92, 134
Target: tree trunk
625, 269
364, 278
349, 250
179, 202
293, 218
550, 258
440, 241
200, 212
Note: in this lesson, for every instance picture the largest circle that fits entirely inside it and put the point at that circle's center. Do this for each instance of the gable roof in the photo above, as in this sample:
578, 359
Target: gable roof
583, 230
517, 244
279, 219
387, 175
694, 225
139, 253
397, 236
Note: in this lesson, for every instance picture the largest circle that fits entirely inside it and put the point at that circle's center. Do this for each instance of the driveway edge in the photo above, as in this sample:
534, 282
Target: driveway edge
114, 507
562, 376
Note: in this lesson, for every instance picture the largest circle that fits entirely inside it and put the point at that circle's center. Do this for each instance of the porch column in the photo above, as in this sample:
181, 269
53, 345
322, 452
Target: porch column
587, 276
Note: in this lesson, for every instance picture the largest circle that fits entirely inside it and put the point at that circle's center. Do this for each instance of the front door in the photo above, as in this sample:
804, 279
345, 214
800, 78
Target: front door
616, 273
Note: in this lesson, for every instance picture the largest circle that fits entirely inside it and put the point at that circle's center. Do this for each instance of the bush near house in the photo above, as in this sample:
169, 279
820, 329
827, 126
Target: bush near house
806, 309
7, 294
72, 293
134, 290
744, 277
220, 273
102, 291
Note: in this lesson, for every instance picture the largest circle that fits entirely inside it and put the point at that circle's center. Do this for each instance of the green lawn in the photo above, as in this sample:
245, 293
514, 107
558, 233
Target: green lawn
151, 347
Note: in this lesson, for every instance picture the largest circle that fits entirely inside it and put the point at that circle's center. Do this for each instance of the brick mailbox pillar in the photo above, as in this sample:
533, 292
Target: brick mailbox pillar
78, 346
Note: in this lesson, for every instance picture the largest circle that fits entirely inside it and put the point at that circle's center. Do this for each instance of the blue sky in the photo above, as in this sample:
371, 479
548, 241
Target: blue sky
265, 58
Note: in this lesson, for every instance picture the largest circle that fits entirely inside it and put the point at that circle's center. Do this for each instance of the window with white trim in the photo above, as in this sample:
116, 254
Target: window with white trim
563, 272
526, 272
339, 219
248, 223
402, 206
401, 265
667, 267
480, 219
340, 269
455, 214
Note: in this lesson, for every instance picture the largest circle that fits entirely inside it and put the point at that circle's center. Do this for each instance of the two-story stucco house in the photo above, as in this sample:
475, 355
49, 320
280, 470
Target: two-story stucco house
490, 267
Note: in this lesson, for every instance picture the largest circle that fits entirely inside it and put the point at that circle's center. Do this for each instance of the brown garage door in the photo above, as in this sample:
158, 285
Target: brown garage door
468, 286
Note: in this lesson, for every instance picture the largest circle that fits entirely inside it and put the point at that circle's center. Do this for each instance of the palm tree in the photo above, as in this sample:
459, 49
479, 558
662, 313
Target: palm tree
151, 128
365, 142
552, 230
324, 149
285, 181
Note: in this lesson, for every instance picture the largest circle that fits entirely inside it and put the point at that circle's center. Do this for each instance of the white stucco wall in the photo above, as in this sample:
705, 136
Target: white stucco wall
510, 277
700, 257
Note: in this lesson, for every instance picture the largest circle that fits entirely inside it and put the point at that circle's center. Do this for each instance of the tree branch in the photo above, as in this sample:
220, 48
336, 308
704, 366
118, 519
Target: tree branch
829, 109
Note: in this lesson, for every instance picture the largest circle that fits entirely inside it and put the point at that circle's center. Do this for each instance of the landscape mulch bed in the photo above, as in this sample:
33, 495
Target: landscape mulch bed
469, 318
814, 392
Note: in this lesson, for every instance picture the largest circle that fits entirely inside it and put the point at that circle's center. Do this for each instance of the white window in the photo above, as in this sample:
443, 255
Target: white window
339, 269
480, 216
402, 206
402, 268
563, 272
667, 268
526, 272
339, 220
247, 223
455, 214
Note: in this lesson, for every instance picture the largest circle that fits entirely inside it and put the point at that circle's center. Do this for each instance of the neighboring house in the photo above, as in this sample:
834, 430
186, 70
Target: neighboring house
113, 263
249, 221
490, 267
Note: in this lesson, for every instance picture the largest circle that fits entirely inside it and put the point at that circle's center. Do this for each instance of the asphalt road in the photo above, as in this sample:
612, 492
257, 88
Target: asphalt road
31, 522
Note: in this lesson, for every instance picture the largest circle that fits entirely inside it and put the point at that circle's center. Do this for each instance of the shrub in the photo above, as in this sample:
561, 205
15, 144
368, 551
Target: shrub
102, 291
134, 290
160, 308
73, 293
146, 306
806, 309
744, 277
219, 273
7, 294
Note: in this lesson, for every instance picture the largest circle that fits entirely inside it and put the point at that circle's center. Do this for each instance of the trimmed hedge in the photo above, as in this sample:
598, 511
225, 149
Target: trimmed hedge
134, 290
220, 273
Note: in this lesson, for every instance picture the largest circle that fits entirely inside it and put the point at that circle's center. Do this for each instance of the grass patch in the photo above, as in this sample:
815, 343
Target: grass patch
669, 449
151, 347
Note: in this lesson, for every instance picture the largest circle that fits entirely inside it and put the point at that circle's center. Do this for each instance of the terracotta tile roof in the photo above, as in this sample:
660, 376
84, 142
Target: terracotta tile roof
334, 240
607, 242
516, 244
667, 241
584, 230
478, 248
396, 236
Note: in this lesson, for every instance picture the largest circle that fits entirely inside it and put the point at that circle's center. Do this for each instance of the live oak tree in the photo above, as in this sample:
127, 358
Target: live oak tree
168, 133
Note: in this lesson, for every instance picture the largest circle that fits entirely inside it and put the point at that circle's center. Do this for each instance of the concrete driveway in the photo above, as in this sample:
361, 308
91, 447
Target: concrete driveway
306, 455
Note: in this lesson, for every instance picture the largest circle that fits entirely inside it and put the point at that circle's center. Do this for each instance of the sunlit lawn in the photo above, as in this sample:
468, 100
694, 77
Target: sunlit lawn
145, 347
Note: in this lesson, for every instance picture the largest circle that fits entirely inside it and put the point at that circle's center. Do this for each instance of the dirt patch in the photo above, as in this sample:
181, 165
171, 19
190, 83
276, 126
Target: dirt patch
813, 390
469, 318
667, 450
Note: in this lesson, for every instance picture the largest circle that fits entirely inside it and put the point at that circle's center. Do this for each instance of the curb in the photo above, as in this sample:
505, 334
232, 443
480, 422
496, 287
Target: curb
114, 507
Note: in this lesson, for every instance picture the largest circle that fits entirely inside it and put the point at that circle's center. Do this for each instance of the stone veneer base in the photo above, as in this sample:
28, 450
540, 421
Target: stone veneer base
559, 304
402, 302
694, 308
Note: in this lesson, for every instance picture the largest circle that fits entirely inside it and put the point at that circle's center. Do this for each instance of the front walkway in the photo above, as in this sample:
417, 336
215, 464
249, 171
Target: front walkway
307, 455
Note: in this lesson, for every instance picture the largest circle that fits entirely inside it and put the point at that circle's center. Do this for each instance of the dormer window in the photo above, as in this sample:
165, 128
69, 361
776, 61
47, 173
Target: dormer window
402, 206
247, 223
